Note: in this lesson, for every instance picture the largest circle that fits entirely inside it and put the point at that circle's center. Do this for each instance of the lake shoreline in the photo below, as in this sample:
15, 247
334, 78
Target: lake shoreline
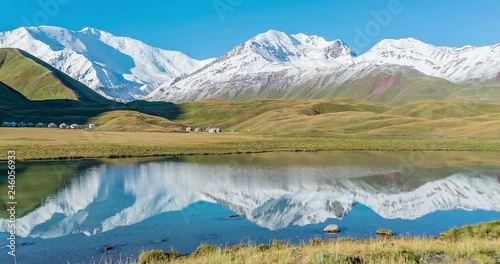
51, 145
106, 151
467, 244
111, 151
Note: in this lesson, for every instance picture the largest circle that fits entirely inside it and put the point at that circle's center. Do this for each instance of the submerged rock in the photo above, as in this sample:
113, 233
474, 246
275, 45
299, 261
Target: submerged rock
158, 241
331, 229
211, 236
108, 248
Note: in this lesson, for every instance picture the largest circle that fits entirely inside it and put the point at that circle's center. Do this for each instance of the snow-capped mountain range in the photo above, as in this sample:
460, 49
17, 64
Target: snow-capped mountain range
267, 65
105, 197
270, 64
117, 67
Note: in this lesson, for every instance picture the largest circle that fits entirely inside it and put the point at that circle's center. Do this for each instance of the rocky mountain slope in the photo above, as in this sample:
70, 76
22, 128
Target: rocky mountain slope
276, 65
117, 67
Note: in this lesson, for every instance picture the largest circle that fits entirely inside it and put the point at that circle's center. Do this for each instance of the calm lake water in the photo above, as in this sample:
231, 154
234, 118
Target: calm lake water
70, 211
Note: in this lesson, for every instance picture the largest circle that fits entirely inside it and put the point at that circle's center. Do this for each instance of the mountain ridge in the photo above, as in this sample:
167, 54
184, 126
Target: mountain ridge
116, 67
272, 64
275, 64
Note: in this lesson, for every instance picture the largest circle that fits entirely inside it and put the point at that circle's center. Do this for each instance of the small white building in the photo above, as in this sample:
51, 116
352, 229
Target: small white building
198, 130
41, 125
92, 126
63, 126
75, 126
22, 124
189, 129
30, 124
13, 124
6, 124
53, 125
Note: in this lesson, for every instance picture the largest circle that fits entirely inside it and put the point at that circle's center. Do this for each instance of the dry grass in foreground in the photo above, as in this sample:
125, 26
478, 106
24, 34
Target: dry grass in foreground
470, 244
343, 251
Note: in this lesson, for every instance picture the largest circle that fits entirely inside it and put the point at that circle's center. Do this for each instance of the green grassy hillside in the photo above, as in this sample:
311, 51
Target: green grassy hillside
228, 114
345, 117
407, 85
389, 84
432, 109
130, 121
278, 117
37, 80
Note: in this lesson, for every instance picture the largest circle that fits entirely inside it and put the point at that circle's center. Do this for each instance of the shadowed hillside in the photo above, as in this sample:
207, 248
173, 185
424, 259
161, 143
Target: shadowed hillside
33, 91
10, 97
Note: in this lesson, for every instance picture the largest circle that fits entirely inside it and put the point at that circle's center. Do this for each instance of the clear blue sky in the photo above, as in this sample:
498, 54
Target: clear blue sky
207, 28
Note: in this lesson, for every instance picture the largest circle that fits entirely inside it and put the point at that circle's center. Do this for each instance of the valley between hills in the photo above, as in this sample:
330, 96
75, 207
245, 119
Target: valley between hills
388, 111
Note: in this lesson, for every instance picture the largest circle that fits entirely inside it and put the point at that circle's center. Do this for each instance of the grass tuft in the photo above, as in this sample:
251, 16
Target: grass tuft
157, 256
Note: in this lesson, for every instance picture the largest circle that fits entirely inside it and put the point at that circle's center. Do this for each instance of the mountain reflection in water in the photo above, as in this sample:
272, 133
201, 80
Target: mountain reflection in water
304, 189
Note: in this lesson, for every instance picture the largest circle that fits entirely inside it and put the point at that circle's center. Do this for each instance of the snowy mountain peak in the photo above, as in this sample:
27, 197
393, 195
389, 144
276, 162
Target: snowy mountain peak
90, 30
271, 35
267, 59
406, 43
279, 47
116, 67
459, 65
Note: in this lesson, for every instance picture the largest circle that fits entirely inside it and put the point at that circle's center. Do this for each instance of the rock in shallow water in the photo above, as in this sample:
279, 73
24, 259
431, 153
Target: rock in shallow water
331, 229
385, 232
108, 248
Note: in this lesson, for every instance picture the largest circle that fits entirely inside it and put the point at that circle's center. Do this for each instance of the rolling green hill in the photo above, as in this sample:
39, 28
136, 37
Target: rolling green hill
37, 80
228, 114
10, 97
432, 109
346, 117
130, 121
